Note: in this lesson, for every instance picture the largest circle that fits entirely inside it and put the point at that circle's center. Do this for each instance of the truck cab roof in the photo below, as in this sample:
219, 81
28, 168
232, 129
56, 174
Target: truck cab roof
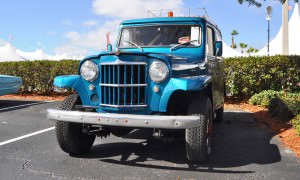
168, 20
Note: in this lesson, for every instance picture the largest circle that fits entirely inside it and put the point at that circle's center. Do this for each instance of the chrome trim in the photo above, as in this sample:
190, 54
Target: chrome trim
125, 120
179, 67
97, 71
124, 85
125, 106
120, 62
168, 71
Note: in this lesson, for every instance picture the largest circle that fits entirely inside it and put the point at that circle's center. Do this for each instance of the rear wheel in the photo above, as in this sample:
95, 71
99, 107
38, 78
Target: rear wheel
198, 139
69, 135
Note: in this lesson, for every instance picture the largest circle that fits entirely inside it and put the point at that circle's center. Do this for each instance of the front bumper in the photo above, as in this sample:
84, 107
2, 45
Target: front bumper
125, 120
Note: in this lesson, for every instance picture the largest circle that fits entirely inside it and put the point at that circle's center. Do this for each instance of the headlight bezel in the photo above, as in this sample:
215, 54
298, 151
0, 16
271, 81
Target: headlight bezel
158, 66
89, 66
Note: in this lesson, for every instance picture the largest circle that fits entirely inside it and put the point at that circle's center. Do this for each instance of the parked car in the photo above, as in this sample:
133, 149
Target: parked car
166, 73
9, 84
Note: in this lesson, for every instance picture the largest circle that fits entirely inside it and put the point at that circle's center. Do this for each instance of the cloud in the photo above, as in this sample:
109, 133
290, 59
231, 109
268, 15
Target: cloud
70, 52
93, 40
2, 42
90, 23
73, 35
132, 8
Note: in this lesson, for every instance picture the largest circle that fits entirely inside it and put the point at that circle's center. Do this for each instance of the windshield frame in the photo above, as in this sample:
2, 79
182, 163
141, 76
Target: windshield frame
162, 46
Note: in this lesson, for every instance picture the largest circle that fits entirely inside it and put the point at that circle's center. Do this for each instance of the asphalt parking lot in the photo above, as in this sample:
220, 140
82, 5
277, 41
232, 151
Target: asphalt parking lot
243, 150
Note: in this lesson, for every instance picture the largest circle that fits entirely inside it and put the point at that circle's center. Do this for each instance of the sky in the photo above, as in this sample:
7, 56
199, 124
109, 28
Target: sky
78, 27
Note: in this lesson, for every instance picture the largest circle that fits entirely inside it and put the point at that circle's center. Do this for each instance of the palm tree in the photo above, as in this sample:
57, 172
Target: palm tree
243, 46
257, 2
233, 33
250, 50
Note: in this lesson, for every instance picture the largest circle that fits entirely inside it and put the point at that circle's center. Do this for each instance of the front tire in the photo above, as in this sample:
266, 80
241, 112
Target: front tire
69, 135
198, 139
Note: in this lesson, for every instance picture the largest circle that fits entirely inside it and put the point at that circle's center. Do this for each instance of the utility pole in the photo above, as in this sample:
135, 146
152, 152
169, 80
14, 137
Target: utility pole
268, 18
285, 28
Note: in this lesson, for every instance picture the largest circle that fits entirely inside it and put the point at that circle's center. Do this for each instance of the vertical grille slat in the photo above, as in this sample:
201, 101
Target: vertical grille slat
123, 85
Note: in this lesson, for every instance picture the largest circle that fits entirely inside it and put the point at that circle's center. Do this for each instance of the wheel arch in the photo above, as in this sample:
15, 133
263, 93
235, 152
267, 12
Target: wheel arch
179, 100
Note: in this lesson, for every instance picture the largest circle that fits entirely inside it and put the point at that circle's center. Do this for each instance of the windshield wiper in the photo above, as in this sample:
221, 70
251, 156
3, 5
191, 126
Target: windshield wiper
186, 43
130, 42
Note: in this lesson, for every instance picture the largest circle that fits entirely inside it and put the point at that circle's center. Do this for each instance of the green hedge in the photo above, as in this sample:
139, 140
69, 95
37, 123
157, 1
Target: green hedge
247, 76
244, 76
38, 76
296, 123
284, 105
263, 98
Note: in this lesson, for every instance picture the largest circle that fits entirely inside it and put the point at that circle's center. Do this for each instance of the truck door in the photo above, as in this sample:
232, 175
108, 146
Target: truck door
214, 67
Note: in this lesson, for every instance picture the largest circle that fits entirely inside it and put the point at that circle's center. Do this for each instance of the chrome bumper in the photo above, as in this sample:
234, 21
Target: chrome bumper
126, 120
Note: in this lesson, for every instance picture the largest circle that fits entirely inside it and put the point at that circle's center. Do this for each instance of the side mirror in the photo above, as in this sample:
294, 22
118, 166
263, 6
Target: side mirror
109, 47
219, 48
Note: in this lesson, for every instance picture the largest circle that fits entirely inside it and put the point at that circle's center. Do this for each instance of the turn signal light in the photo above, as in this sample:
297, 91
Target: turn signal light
170, 14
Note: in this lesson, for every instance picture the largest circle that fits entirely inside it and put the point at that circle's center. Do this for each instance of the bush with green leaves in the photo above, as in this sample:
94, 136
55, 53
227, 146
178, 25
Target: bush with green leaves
38, 76
296, 123
263, 98
246, 76
284, 107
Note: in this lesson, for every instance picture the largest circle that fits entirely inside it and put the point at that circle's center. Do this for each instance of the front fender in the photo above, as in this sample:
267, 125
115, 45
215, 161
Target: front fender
68, 81
74, 82
196, 83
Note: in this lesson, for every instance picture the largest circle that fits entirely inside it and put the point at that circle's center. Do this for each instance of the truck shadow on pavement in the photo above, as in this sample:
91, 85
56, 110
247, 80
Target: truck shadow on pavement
239, 141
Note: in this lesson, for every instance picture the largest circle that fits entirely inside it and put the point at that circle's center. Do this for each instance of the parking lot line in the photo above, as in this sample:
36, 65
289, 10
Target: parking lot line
23, 105
26, 136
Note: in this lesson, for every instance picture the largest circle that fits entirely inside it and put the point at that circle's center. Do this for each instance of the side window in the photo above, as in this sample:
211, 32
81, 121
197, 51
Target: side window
218, 36
210, 42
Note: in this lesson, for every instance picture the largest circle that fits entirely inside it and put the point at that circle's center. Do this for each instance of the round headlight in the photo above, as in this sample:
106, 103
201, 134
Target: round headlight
158, 71
89, 71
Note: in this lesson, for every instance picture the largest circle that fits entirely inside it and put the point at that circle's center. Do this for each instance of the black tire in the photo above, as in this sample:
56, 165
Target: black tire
219, 115
198, 139
69, 135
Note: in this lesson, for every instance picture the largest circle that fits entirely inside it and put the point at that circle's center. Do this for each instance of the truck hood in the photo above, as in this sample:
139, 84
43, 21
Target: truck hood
170, 58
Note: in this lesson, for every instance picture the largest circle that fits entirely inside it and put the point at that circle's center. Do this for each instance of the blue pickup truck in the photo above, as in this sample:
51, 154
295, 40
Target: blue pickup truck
9, 84
166, 73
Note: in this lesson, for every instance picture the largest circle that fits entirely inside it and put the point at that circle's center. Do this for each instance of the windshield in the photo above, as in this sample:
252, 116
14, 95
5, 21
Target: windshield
164, 35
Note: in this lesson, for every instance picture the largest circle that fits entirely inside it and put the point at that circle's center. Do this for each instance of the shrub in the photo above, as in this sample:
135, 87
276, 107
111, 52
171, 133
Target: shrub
296, 123
263, 98
38, 76
246, 76
285, 107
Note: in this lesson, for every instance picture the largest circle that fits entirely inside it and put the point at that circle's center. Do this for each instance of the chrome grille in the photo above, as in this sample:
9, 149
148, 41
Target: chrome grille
123, 85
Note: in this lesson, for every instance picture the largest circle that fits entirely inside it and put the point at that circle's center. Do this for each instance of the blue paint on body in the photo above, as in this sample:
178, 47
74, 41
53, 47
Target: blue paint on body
9, 84
188, 70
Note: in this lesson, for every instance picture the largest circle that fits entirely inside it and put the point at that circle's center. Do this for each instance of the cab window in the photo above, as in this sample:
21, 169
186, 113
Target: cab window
210, 42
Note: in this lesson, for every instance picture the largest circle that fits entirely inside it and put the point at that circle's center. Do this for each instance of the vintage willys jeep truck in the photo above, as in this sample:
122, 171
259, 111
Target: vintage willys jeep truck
166, 73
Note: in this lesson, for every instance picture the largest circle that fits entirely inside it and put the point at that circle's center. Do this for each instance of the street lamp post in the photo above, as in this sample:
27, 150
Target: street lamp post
268, 18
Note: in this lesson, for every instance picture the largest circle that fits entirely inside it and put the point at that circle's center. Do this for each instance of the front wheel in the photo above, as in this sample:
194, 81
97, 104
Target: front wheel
198, 139
69, 135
